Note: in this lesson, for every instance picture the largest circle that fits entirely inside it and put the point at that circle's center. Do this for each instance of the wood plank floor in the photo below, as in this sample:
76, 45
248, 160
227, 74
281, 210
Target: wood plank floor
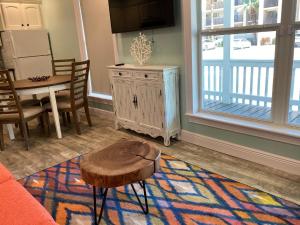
48, 151
257, 112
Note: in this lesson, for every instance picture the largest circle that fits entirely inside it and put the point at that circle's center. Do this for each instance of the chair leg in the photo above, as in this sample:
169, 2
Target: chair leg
24, 128
48, 124
1, 137
68, 117
87, 114
27, 130
21, 130
42, 122
45, 123
63, 115
75, 118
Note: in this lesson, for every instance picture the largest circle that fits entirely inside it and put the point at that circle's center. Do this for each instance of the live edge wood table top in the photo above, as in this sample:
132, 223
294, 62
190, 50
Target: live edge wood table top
124, 162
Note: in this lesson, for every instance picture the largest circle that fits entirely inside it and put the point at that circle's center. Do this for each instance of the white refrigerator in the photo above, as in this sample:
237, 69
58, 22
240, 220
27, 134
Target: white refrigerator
27, 51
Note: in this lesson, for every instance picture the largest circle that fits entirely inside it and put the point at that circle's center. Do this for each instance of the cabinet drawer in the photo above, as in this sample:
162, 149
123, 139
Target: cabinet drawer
147, 75
121, 73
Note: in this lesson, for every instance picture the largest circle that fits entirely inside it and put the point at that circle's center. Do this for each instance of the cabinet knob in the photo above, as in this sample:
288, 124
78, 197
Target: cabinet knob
120, 74
146, 75
27, 24
22, 25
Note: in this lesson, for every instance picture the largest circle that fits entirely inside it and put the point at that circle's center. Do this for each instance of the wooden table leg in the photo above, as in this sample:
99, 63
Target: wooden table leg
55, 112
10, 130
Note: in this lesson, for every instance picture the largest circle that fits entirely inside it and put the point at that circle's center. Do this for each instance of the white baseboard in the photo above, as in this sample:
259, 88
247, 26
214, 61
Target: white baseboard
282, 163
264, 158
95, 111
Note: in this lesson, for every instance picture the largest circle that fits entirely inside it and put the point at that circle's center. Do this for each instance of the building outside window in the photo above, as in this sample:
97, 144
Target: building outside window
246, 12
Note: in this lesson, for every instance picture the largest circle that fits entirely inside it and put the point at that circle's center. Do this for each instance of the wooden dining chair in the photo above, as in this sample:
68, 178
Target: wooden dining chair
62, 66
11, 110
24, 102
78, 94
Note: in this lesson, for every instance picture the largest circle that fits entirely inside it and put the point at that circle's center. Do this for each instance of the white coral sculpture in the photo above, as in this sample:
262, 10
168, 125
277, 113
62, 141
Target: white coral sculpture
141, 49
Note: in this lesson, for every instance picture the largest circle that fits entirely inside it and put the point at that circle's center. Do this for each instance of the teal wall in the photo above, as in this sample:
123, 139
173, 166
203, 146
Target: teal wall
59, 19
168, 49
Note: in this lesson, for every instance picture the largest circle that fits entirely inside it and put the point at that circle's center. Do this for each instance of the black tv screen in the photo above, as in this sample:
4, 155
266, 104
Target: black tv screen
133, 15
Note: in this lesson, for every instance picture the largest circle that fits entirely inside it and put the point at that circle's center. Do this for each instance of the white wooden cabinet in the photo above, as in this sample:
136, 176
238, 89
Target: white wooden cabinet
32, 16
12, 16
20, 16
146, 99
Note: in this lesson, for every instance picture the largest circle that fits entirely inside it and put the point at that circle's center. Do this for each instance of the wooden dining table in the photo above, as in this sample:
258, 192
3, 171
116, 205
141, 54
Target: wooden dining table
50, 86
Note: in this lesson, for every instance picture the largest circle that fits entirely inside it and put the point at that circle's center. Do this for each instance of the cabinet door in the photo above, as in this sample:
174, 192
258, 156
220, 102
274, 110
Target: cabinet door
150, 106
123, 90
12, 16
32, 16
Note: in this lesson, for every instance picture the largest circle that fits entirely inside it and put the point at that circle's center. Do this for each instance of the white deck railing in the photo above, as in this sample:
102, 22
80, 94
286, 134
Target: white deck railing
245, 81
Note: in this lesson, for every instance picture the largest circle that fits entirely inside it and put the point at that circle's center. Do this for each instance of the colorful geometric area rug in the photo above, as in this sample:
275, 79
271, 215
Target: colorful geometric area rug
180, 194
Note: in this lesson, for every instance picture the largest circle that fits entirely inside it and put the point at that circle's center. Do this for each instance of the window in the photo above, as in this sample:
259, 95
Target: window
246, 12
235, 79
245, 76
294, 109
270, 3
294, 105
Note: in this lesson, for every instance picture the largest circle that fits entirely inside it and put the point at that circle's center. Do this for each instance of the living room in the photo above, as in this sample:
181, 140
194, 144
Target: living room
150, 112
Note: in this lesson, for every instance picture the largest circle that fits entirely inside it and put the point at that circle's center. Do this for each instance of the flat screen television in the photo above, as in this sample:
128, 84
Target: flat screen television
133, 15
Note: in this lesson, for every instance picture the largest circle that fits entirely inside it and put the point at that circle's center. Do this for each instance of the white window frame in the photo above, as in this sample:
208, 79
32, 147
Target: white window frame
277, 129
83, 49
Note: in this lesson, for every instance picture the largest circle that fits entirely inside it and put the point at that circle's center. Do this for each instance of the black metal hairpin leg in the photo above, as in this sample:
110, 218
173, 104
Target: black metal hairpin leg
97, 219
143, 185
102, 205
95, 205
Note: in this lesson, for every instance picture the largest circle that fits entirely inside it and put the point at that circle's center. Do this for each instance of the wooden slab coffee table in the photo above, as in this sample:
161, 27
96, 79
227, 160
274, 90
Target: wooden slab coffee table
125, 162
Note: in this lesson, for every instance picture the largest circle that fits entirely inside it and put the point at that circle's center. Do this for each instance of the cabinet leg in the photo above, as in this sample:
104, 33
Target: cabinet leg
178, 137
117, 126
167, 141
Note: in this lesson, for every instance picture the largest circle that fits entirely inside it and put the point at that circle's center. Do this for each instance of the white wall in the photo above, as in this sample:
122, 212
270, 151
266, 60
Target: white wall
59, 20
96, 20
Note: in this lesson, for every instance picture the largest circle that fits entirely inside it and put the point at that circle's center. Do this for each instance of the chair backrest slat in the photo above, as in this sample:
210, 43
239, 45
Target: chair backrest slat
78, 82
7, 106
5, 91
79, 78
9, 101
57, 71
62, 66
9, 112
79, 70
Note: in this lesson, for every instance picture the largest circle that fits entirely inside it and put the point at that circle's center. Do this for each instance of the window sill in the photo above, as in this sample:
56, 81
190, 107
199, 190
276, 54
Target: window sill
286, 134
